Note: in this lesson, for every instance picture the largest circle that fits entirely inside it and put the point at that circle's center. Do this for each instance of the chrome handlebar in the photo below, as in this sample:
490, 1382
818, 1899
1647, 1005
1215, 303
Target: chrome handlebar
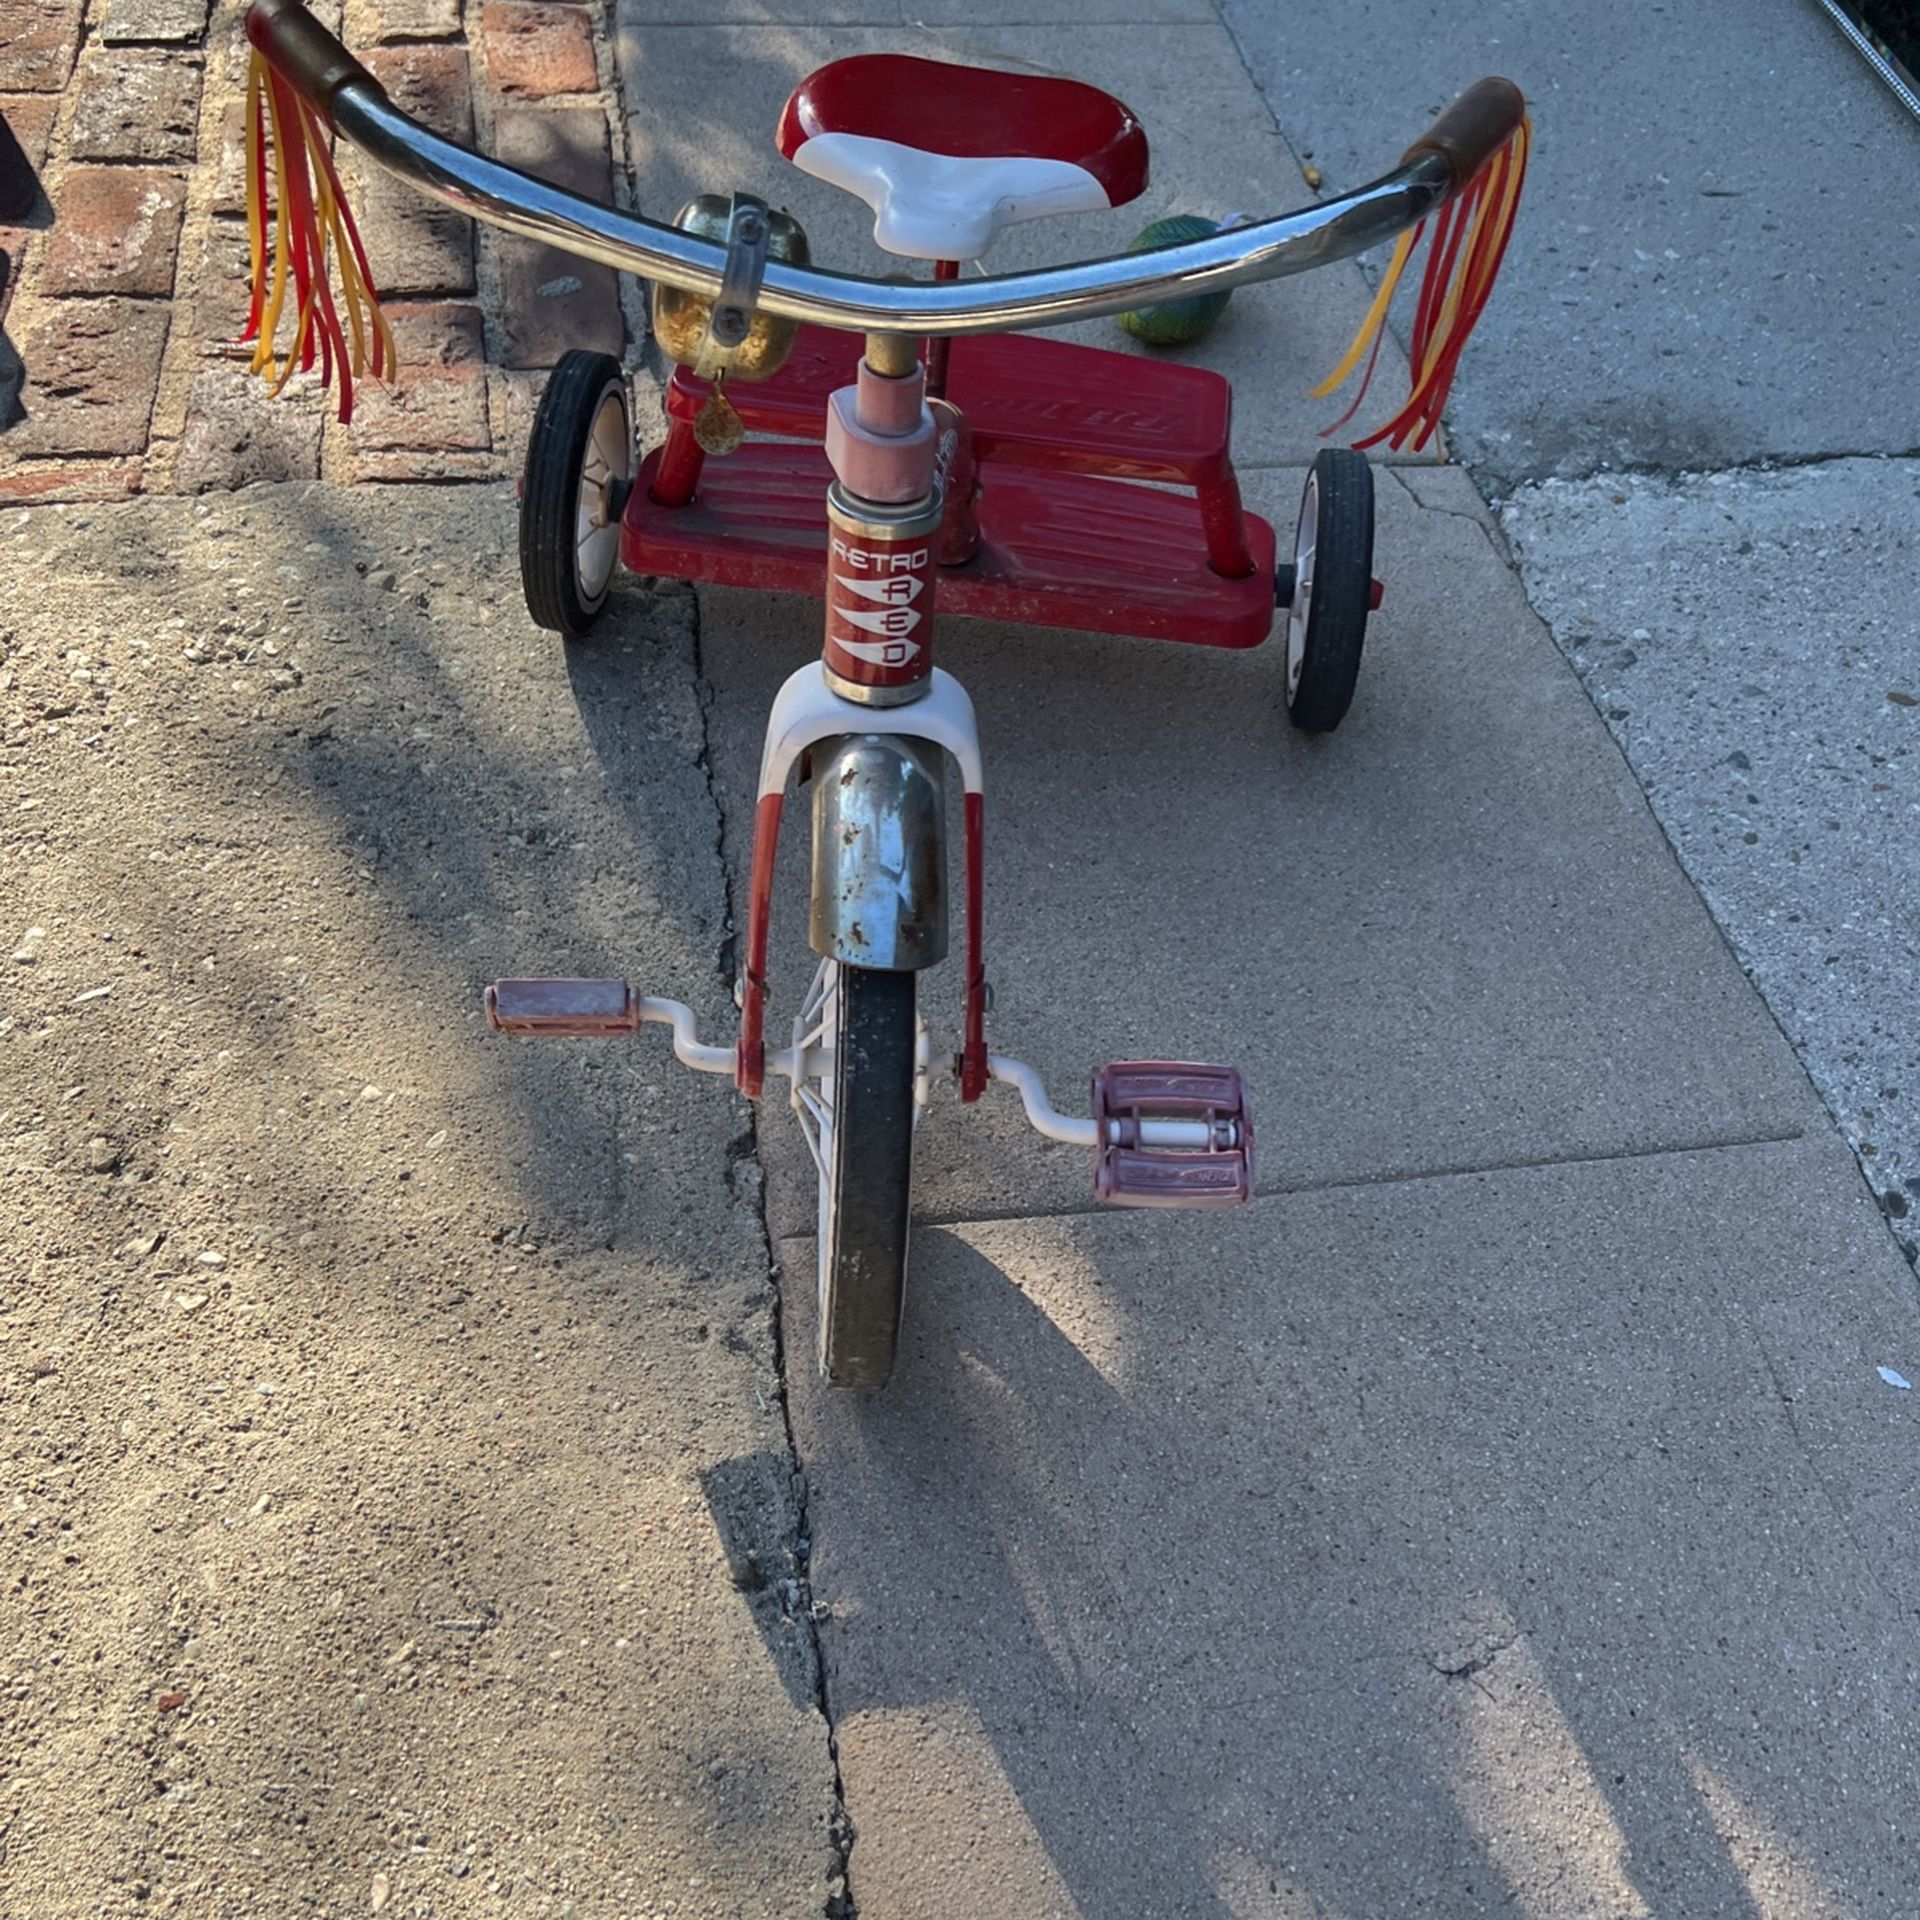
1042, 297
316, 66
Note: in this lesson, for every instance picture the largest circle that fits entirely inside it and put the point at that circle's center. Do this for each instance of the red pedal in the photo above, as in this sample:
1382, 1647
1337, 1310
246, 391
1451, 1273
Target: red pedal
561, 1009
1171, 1134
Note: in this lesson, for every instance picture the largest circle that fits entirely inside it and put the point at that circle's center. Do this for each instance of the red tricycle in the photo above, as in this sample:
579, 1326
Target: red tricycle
904, 464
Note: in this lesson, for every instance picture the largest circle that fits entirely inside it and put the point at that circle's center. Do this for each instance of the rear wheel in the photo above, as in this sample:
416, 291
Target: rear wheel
578, 474
1330, 589
862, 1116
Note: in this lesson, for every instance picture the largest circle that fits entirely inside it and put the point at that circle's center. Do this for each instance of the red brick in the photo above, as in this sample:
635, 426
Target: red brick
172, 23
238, 433
92, 368
533, 51
38, 43
230, 165
13, 266
29, 120
432, 421
431, 83
417, 250
550, 300
117, 230
44, 482
221, 289
136, 107
402, 20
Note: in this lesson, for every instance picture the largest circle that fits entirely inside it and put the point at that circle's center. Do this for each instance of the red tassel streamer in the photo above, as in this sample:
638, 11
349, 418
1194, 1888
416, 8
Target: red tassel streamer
1465, 250
311, 237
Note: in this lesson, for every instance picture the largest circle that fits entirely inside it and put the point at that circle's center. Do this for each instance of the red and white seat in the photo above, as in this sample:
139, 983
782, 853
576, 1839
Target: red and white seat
946, 156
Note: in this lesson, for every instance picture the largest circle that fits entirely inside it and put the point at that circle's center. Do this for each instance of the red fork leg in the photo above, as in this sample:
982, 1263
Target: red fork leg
1226, 526
960, 530
678, 473
940, 348
973, 1051
750, 1068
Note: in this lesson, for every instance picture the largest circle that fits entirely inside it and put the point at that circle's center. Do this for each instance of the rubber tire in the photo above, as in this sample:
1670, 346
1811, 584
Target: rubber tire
550, 492
871, 1171
1342, 591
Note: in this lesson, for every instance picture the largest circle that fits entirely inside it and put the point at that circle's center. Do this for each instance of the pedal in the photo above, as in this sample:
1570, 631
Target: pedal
561, 1009
1171, 1134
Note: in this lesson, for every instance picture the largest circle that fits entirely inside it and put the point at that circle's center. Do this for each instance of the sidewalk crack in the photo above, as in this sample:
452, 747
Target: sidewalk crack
1659, 470
1485, 521
744, 1151
1404, 1176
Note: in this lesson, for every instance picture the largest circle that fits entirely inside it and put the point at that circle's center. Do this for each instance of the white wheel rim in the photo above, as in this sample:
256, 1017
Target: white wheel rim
1300, 609
816, 1031
605, 467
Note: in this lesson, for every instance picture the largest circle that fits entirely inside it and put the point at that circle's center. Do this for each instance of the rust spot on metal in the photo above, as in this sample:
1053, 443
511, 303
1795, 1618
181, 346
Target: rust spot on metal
856, 933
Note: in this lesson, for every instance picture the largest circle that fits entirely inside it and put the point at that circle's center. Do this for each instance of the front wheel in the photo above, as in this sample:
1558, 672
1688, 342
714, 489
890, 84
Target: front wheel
863, 1142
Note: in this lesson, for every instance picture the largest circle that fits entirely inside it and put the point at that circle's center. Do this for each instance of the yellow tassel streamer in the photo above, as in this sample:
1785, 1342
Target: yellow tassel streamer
1470, 238
308, 239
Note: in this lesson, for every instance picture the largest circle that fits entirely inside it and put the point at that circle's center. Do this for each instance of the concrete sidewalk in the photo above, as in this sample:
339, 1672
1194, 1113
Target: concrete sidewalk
1481, 1524
424, 1505
1710, 279
399, 1501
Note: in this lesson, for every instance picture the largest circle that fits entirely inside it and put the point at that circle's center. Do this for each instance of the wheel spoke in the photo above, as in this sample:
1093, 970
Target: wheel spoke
816, 1127
611, 445
820, 993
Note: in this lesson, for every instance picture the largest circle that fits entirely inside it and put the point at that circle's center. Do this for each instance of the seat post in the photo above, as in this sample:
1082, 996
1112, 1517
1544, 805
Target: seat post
883, 517
892, 355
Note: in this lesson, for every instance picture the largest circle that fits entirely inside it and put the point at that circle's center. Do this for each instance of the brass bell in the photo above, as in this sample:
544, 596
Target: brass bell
681, 320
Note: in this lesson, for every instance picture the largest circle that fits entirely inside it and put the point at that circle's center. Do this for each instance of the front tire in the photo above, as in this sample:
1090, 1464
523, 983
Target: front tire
578, 474
1332, 589
866, 1176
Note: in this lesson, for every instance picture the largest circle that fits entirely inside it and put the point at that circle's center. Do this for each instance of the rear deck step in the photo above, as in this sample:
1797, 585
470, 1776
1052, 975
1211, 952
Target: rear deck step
1056, 549
1028, 401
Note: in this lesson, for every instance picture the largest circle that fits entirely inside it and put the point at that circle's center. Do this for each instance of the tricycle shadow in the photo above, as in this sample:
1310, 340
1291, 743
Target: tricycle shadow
1175, 1601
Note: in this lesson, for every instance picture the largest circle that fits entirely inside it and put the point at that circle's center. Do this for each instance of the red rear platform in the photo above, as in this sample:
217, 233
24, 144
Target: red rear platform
1051, 403
1059, 549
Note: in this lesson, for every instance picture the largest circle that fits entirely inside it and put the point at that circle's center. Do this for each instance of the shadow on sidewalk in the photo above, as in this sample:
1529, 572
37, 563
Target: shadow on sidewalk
23, 209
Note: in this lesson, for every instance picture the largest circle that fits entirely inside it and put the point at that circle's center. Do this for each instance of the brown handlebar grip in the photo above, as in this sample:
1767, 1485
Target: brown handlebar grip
303, 52
1471, 131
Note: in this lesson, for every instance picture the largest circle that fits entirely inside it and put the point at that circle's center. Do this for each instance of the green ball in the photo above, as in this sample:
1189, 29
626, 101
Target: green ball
1175, 323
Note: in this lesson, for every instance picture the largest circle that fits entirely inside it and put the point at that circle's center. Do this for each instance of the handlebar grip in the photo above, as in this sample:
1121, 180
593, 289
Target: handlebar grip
1471, 131
303, 52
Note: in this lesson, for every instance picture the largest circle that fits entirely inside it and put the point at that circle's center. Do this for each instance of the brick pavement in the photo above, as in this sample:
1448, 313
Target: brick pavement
123, 246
